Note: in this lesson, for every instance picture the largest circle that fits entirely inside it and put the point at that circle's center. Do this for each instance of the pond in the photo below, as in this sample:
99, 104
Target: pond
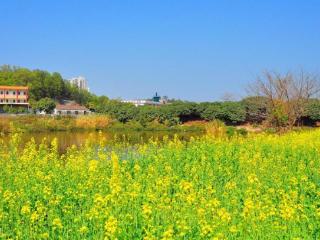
67, 139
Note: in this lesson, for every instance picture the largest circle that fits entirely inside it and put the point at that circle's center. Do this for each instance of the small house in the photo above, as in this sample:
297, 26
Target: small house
70, 108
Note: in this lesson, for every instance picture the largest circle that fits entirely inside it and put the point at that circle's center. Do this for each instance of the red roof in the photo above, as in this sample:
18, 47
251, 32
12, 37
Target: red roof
13, 88
71, 107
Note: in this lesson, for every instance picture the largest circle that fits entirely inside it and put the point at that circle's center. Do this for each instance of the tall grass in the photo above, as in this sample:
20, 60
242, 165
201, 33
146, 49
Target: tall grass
32, 123
97, 122
258, 187
217, 129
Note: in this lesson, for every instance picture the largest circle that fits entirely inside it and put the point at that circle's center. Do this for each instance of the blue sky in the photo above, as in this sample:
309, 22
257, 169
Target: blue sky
189, 49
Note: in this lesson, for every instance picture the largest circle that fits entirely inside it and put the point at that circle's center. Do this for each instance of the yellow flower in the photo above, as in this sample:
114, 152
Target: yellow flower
136, 168
56, 223
252, 178
147, 210
287, 212
191, 198
294, 181
215, 202
34, 217
230, 185
206, 229
183, 228
149, 237
185, 186
25, 209
44, 235
224, 215
7, 195
233, 229
115, 164
83, 230
167, 235
93, 164
219, 236
318, 212
111, 226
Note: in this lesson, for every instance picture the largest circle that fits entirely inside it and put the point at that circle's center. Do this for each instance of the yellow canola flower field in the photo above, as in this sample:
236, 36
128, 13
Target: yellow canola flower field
256, 187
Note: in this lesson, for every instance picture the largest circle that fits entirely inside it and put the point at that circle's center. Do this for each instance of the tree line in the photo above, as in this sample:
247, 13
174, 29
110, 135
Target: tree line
253, 110
42, 84
281, 101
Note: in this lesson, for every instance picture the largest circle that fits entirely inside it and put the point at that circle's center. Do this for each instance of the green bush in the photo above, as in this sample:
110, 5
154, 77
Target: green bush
256, 109
14, 109
242, 132
228, 112
313, 110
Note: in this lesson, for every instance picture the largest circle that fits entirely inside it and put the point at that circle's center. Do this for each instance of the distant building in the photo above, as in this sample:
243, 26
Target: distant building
155, 101
14, 96
70, 108
156, 98
142, 102
80, 82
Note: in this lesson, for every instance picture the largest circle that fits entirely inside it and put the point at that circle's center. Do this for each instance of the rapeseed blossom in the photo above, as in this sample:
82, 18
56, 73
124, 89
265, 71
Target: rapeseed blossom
56, 223
111, 226
256, 187
25, 210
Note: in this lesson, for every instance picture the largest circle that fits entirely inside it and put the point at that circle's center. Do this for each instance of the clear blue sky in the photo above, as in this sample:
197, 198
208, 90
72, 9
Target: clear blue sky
196, 50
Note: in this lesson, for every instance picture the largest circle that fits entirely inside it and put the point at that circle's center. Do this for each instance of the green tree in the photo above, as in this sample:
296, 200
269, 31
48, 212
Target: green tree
46, 104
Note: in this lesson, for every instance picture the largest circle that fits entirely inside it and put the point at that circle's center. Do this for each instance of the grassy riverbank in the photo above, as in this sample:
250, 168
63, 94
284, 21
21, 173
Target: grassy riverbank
255, 187
33, 123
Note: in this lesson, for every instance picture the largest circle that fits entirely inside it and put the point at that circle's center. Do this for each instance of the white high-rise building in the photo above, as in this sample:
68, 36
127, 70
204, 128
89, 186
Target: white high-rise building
79, 82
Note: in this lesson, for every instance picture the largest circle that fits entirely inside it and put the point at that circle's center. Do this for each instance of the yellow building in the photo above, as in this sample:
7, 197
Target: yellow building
14, 95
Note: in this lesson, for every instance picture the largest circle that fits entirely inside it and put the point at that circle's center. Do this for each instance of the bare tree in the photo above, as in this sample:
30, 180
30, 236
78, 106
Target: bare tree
287, 95
228, 97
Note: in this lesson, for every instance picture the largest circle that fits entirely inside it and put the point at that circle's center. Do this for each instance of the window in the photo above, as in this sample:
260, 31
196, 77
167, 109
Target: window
14, 101
24, 93
1, 92
14, 92
7, 100
7, 92
18, 101
18, 92
1, 100
76, 112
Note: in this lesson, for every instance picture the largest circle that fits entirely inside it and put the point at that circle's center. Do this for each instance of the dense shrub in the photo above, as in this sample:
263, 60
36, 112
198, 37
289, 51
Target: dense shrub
256, 109
228, 112
313, 110
14, 109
